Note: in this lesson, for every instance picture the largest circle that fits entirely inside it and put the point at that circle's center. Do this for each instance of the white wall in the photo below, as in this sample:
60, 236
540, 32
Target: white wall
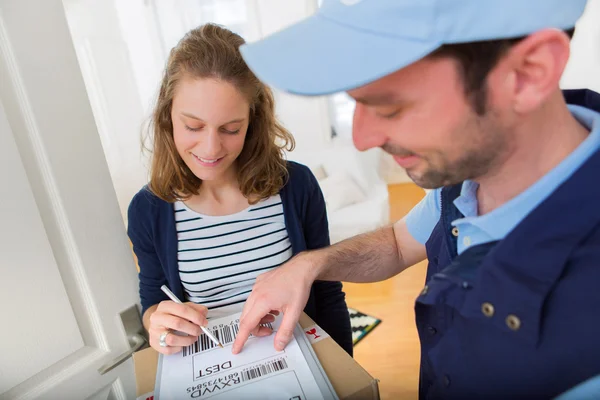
583, 69
306, 117
122, 50
141, 37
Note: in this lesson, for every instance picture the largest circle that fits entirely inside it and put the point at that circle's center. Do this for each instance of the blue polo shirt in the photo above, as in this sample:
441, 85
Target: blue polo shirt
476, 229
588, 390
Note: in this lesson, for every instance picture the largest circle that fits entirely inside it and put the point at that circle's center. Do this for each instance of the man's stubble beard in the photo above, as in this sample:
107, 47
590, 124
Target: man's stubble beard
482, 152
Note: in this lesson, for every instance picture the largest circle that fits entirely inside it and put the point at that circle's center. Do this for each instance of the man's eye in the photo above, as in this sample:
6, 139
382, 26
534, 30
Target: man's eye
389, 115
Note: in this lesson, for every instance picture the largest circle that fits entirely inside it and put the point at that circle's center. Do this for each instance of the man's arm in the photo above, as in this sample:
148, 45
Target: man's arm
370, 257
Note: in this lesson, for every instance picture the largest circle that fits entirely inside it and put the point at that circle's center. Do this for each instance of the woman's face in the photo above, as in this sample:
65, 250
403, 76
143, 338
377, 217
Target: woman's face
210, 119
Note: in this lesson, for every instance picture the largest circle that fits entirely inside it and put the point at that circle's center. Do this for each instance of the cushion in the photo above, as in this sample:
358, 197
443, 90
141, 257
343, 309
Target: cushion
319, 172
340, 190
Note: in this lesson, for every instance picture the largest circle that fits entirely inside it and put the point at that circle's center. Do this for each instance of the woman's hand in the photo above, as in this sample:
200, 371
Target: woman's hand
169, 317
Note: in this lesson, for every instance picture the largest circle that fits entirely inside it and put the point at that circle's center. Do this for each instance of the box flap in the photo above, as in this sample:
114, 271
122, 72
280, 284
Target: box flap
348, 378
144, 364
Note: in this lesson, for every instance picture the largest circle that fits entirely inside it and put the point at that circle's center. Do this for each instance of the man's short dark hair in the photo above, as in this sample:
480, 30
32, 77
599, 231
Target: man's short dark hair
476, 60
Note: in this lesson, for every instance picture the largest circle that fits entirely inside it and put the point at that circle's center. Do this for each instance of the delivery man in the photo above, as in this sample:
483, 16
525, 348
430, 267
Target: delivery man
465, 95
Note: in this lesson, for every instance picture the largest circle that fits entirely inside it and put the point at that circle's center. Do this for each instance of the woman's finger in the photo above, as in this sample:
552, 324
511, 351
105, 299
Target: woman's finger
173, 322
165, 350
195, 313
154, 336
203, 310
175, 340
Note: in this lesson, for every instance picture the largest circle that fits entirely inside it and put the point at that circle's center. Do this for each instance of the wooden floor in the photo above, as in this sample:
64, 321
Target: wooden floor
391, 352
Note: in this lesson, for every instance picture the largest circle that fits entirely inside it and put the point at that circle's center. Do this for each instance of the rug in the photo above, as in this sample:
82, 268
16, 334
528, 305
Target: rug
362, 324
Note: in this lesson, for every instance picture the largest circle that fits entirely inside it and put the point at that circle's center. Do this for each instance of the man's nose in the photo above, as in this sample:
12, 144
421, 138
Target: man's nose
366, 132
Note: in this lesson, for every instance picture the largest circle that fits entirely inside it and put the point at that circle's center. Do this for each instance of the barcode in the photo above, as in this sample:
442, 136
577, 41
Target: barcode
226, 334
264, 369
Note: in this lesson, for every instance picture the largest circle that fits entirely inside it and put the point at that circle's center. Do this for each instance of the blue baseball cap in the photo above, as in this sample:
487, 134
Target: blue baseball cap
349, 43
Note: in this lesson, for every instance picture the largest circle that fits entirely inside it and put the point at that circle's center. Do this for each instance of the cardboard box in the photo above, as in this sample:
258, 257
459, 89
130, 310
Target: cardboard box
349, 379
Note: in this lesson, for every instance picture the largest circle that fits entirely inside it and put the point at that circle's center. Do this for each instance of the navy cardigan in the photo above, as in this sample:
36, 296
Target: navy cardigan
152, 232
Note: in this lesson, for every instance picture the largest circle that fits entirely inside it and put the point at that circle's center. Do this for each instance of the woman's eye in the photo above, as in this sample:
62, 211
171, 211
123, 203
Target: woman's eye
231, 132
192, 129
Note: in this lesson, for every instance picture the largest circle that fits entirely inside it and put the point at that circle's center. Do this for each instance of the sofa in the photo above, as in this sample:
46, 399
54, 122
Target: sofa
356, 195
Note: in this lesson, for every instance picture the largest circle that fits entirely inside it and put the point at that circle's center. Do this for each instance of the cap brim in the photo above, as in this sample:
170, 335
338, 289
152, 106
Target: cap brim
318, 56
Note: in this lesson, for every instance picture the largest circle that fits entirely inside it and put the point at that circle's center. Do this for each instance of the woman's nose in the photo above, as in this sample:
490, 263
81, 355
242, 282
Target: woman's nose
212, 146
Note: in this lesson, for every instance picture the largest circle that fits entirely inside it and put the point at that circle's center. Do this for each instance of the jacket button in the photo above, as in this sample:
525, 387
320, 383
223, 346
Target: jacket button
455, 232
487, 309
446, 380
425, 290
513, 322
432, 331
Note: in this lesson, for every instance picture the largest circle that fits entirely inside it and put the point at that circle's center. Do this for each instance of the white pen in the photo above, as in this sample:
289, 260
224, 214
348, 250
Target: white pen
165, 289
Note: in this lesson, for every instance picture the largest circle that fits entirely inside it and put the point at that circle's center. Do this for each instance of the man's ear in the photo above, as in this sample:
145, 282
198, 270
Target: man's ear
536, 65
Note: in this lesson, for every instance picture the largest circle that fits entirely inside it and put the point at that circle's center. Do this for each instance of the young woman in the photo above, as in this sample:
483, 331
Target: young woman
222, 205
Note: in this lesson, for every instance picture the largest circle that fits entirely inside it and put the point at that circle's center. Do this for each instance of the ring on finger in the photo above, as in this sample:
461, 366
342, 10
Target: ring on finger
162, 340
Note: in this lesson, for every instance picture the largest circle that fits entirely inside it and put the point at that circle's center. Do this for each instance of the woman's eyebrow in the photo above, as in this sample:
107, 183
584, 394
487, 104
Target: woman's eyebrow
192, 116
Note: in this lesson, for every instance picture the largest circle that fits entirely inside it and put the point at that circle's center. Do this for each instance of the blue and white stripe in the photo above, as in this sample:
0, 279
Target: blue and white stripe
220, 257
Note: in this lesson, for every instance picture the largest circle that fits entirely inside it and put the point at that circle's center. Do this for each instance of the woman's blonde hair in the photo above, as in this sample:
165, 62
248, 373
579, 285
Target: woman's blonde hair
211, 51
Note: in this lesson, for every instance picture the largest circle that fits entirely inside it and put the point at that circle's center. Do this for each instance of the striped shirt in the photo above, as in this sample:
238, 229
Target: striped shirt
219, 257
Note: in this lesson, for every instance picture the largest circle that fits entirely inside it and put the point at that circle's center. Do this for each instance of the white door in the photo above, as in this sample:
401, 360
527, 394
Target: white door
66, 267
